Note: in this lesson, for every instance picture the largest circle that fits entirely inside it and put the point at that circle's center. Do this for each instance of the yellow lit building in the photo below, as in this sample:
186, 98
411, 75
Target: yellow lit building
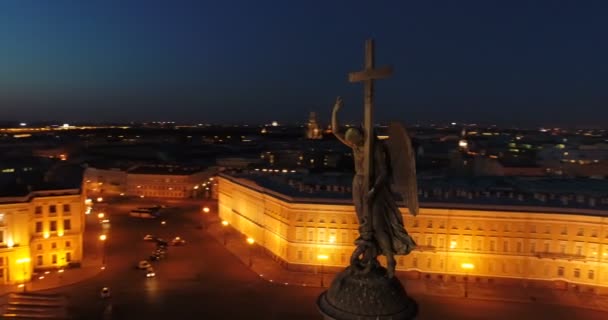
554, 247
40, 230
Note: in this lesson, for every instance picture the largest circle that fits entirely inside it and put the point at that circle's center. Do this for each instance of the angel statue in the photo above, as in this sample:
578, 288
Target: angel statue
381, 230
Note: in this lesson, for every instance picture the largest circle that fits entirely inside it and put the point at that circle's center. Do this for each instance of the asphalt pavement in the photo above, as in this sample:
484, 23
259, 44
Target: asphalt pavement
203, 280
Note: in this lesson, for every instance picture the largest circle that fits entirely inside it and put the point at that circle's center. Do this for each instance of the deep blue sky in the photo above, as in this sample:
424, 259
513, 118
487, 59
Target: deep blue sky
510, 62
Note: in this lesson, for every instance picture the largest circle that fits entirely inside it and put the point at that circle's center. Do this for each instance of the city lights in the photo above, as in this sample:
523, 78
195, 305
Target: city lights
206, 209
225, 223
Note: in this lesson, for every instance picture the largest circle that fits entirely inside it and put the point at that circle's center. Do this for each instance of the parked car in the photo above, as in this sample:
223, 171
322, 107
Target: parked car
177, 241
104, 293
143, 264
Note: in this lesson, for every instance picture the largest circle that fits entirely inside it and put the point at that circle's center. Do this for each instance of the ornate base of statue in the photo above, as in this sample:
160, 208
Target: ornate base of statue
368, 296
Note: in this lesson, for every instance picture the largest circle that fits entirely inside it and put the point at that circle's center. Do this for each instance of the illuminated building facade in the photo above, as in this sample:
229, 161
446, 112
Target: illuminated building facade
40, 230
542, 245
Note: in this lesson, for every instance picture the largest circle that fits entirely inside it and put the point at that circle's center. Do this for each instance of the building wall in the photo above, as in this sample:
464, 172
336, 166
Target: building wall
26, 233
522, 243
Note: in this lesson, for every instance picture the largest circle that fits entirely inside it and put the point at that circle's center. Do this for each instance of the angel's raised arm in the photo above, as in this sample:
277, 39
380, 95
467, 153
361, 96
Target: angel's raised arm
335, 127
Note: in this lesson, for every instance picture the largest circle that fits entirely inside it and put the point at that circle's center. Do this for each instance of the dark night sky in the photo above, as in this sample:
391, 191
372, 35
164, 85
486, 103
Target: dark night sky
506, 62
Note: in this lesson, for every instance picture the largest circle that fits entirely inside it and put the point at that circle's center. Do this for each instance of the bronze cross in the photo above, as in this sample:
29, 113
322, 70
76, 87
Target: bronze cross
368, 75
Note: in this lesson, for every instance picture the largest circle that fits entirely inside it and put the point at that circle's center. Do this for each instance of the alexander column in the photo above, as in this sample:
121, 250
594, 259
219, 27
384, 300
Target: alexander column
365, 290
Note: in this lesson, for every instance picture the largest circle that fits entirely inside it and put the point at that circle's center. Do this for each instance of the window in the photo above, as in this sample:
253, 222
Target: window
53, 245
52, 209
429, 241
39, 260
579, 250
68, 244
479, 245
310, 235
39, 247
562, 248
415, 224
38, 210
68, 256
560, 271
429, 263
415, 262
442, 225
547, 247
54, 259
591, 275
532, 247
506, 227
564, 230
594, 233
580, 232
505, 246
533, 228
299, 254
429, 224
66, 209
1, 236
53, 225
519, 245
577, 273
67, 224
38, 226
492, 245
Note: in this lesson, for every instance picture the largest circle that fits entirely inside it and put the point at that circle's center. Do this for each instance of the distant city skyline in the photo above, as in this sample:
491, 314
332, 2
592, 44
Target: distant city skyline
527, 63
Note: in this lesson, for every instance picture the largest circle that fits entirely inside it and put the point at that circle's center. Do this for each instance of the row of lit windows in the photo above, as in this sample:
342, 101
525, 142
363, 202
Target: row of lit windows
163, 187
39, 246
67, 225
52, 210
40, 258
560, 272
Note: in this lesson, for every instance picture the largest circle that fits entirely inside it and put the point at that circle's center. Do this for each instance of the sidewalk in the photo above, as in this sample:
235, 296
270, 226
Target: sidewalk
273, 272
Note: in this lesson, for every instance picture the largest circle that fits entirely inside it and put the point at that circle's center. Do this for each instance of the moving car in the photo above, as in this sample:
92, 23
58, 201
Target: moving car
149, 237
150, 272
177, 241
104, 293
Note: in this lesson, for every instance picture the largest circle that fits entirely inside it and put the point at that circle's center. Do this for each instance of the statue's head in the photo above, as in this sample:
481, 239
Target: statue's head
354, 136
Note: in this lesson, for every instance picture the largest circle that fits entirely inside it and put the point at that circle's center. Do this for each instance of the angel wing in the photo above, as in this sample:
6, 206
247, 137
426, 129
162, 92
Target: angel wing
403, 166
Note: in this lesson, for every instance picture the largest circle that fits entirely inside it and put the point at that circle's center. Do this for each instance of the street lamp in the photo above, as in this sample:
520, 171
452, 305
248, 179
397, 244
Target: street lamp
467, 267
100, 199
322, 258
23, 262
103, 238
224, 225
206, 209
250, 241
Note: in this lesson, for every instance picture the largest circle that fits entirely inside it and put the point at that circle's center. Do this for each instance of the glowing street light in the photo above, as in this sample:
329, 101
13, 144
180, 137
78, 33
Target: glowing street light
467, 267
225, 224
206, 209
103, 239
250, 241
100, 215
322, 258
100, 199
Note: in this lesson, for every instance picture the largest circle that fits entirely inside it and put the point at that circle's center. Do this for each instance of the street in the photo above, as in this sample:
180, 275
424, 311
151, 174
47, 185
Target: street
202, 280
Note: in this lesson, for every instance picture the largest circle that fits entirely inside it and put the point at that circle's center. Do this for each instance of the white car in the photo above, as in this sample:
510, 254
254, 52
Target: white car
150, 272
148, 237
144, 264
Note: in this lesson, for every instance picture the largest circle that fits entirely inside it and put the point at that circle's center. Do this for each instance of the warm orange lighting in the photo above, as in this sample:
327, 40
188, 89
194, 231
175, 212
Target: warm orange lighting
100, 199
100, 215
206, 209
468, 266
88, 201
60, 270
103, 237
322, 257
250, 240
332, 239
195, 187
224, 223
23, 260
453, 244
60, 234
46, 235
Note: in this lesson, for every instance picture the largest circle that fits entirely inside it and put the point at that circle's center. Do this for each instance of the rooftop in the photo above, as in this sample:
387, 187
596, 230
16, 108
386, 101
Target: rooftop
586, 196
